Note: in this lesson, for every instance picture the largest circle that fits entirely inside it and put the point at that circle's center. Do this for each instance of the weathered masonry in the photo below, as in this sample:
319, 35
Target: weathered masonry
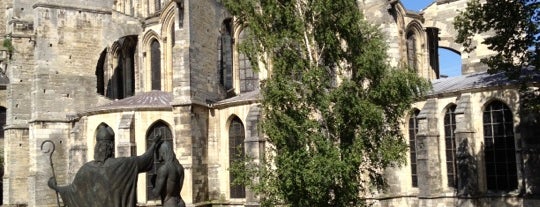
142, 66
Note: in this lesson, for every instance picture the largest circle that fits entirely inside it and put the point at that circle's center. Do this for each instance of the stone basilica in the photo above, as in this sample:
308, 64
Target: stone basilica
172, 67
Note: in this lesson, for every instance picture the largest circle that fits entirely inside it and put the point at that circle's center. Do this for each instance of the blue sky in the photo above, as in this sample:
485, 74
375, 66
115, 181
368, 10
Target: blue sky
449, 62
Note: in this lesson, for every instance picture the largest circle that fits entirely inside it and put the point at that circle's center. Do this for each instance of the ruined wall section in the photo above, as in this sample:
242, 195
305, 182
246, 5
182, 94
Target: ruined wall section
67, 51
441, 15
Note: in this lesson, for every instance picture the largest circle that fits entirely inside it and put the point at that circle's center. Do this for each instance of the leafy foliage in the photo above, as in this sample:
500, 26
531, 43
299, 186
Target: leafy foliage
331, 106
514, 34
513, 29
8, 45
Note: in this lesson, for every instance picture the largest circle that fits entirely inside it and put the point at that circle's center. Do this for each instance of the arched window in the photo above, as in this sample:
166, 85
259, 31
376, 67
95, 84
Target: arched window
236, 152
118, 81
450, 145
413, 131
411, 50
100, 73
159, 127
225, 55
155, 64
249, 79
499, 147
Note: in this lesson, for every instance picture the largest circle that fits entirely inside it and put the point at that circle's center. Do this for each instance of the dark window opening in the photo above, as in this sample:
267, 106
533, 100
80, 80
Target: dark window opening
100, 73
122, 82
2, 121
155, 62
159, 127
226, 55
450, 145
499, 149
433, 48
118, 78
413, 131
249, 79
236, 153
411, 51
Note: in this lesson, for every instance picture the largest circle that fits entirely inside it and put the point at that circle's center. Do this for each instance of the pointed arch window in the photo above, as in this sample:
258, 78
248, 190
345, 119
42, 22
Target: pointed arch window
413, 131
249, 79
450, 145
100, 73
155, 64
411, 50
225, 55
500, 148
159, 127
117, 80
236, 153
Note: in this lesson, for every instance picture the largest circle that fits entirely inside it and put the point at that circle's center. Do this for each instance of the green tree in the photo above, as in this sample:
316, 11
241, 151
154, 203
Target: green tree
332, 105
513, 31
512, 27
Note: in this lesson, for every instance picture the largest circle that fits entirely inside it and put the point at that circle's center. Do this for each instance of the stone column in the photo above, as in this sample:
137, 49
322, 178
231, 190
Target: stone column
16, 163
183, 148
191, 146
427, 151
466, 159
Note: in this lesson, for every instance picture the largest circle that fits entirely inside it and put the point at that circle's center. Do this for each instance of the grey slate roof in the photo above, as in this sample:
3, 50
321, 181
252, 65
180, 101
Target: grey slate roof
478, 80
146, 100
241, 98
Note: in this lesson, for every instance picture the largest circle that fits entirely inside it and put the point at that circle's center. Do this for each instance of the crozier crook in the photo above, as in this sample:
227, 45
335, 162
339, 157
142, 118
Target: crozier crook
50, 150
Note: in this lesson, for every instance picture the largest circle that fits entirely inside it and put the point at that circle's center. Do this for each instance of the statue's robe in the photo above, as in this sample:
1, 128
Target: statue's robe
111, 184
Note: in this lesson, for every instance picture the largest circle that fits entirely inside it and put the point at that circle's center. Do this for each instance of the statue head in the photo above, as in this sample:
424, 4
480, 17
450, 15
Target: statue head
166, 152
104, 148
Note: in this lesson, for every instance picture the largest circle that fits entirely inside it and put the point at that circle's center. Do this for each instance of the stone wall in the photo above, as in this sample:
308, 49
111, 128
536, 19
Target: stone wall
205, 17
441, 15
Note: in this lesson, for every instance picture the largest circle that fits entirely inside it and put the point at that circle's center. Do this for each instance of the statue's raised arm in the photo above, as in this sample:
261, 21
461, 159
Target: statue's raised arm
106, 181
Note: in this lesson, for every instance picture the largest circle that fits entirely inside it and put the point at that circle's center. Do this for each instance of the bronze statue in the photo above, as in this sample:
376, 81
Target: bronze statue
169, 177
106, 181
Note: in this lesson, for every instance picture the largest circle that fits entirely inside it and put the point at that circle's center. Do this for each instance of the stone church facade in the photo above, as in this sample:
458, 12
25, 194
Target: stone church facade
172, 67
